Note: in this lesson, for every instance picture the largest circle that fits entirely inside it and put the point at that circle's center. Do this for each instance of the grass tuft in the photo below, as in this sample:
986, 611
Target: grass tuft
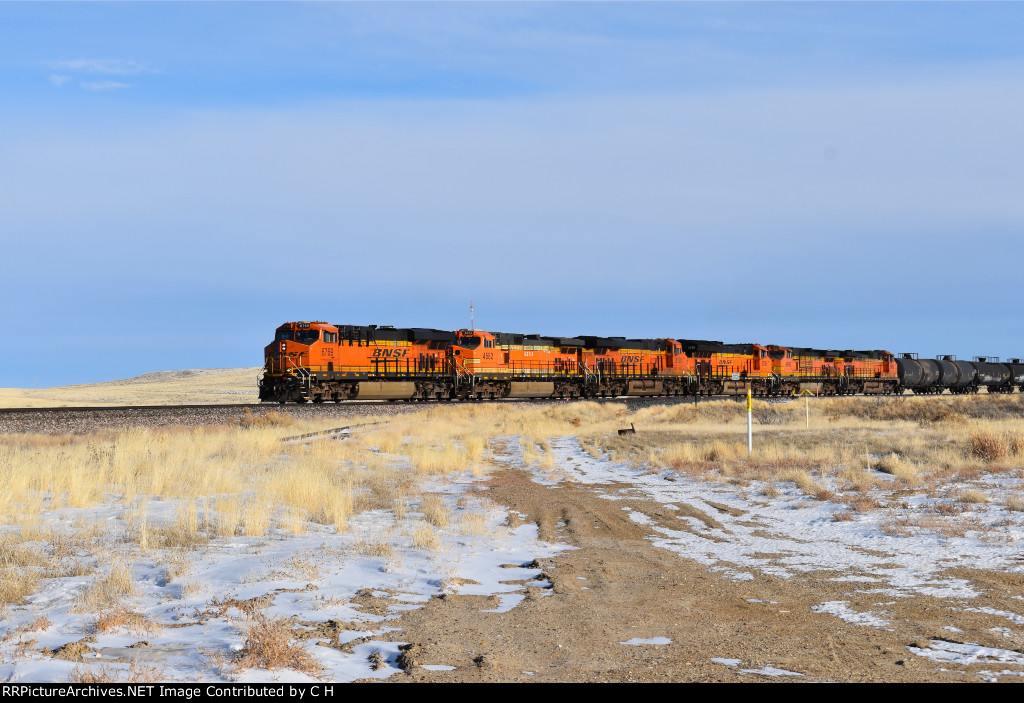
1015, 503
432, 507
973, 496
989, 446
269, 645
425, 537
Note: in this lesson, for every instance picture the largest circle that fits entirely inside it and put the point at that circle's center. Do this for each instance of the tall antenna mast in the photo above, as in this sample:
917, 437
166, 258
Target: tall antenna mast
471, 308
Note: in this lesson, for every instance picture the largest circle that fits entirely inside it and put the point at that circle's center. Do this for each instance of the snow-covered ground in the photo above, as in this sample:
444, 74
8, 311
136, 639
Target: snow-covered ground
802, 534
789, 534
190, 626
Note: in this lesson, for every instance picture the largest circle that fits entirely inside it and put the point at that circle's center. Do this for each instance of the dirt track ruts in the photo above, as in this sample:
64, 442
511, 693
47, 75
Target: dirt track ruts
633, 589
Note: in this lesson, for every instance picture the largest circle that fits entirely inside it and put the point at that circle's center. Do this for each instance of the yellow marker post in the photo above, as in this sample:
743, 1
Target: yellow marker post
750, 422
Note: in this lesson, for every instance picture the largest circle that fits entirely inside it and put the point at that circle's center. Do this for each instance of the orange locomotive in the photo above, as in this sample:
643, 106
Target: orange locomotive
831, 372
317, 361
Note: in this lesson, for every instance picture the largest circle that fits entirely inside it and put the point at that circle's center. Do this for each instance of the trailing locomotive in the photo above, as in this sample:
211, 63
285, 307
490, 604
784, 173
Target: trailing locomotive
318, 362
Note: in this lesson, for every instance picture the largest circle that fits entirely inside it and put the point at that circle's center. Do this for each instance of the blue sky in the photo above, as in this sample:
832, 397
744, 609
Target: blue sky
178, 179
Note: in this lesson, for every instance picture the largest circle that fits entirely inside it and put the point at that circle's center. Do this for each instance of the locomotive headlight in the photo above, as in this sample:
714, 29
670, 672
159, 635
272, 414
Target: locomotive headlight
282, 346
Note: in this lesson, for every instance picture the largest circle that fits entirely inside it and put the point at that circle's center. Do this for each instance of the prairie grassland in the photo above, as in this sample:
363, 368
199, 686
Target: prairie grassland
90, 505
842, 449
868, 453
176, 490
159, 388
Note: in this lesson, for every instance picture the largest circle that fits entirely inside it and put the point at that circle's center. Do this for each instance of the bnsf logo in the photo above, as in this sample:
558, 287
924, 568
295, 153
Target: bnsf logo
632, 358
389, 353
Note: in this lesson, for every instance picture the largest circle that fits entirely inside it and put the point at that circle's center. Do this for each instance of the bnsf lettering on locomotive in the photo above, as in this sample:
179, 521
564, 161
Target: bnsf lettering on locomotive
389, 353
631, 358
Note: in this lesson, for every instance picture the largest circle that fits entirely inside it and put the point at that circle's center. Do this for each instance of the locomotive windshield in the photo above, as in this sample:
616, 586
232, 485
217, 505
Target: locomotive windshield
307, 336
283, 336
469, 342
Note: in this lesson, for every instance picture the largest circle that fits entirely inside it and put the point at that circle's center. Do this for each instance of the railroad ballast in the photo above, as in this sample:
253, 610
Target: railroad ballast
318, 362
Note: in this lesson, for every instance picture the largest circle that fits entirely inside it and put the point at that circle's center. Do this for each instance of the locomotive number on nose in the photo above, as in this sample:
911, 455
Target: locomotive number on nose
328, 351
389, 353
488, 355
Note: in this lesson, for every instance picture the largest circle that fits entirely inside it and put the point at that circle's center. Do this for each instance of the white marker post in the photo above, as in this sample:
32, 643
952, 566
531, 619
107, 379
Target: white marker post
750, 422
807, 408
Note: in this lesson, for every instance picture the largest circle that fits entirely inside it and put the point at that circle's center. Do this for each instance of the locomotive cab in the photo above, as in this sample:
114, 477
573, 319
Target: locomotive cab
473, 349
300, 352
298, 346
782, 361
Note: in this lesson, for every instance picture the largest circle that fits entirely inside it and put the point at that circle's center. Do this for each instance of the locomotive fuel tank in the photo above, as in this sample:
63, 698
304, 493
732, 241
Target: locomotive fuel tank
385, 390
535, 389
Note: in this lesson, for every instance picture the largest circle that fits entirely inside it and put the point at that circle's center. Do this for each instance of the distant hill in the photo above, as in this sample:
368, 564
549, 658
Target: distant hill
156, 388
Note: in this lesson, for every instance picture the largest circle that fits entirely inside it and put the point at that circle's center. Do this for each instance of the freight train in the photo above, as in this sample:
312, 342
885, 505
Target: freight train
318, 362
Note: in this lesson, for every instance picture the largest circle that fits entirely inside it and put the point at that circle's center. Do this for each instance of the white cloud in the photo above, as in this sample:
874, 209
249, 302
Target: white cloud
59, 80
111, 67
105, 85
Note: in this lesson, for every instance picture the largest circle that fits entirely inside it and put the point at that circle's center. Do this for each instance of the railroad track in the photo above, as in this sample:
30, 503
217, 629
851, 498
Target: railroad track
84, 419
116, 408
326, 407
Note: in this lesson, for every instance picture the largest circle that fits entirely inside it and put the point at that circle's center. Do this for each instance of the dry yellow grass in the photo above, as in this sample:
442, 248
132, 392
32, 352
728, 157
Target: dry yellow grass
213, 483
425, 537
108, 591
400, 508
269, 645
434, 512
137, 673
899, 467
857, 479
806, 484
989, 446
120, 619
473, 523
375, 547
222, 482
930, 443
16, 583
973, 496
194, 386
